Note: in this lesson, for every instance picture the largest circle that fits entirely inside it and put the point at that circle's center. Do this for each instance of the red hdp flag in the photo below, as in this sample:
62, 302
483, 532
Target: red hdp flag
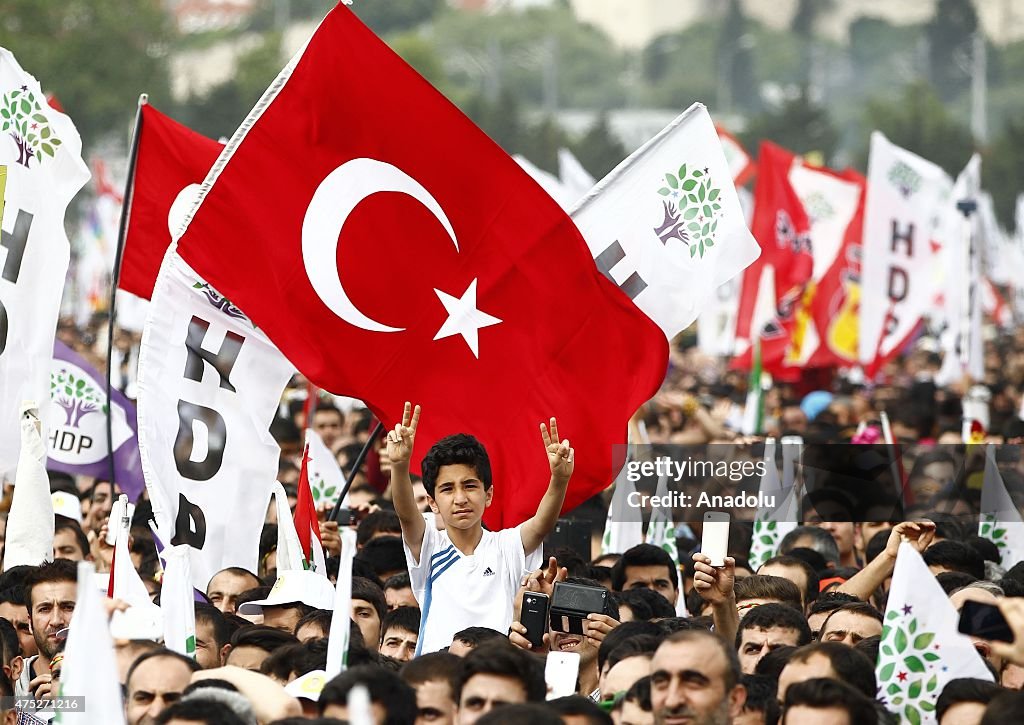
306, 523
393, 252
171, 157
782, 228
836, 306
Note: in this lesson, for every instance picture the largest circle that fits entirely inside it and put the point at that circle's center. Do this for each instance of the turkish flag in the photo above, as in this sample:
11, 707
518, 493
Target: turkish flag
393, 252
782, 228
170, 158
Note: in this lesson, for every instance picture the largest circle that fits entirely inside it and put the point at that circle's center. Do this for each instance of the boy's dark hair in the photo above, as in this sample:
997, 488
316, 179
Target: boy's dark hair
830, 601
638, 646
534, 713
862, 608
384, 554
377, 522
386, 689
215, 618
60, 570
502, 658
965, 689
646, 604
623, 632
772, 664
950, 581
763, 586
295, 660
407, 618
770, 615
584, 708
200, 710
434, 666
643, 555
476, 636
192, 665
640, 693
761, 692
459, 448
63, 523
824, 693
363, 588
267, 639
811, 592
318, 617
869, 647
398, 581
1004, 707
955, 556
850, 666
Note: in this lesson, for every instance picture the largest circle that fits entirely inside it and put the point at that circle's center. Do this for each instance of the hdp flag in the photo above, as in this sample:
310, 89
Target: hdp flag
78, 411
357, 209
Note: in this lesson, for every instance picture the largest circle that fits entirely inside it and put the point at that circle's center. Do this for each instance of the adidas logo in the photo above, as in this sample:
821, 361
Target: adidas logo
488, 572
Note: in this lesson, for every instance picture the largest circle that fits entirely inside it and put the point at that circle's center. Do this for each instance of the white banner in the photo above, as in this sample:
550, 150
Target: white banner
42, 155
897, 288
666, 225
209, 387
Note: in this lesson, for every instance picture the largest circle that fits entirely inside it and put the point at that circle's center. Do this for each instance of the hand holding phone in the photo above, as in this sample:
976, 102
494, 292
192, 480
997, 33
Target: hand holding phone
535, 617
984, 621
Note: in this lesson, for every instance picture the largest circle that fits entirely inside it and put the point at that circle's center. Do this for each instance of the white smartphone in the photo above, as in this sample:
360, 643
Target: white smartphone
560, 673
714, 540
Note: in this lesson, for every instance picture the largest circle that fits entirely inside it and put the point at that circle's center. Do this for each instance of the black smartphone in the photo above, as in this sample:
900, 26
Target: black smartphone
571, 603
534, 616
984, 621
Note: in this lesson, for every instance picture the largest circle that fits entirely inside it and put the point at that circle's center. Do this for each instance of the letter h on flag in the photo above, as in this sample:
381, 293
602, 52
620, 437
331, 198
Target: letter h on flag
357, 209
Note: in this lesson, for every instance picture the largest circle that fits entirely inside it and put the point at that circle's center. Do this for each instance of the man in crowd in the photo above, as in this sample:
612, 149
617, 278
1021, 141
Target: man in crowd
695, 675
227, 584
399, 632
766, 628
156, 679
50, 594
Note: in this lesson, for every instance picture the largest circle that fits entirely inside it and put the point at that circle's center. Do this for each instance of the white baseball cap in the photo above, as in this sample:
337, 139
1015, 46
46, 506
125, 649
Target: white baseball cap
66, 504
295, 587
307, 686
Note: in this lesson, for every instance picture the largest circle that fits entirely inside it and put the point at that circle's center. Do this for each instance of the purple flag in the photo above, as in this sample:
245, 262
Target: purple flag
77, 420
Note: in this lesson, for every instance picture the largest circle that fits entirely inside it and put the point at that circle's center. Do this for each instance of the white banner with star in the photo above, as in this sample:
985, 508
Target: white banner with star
666, 225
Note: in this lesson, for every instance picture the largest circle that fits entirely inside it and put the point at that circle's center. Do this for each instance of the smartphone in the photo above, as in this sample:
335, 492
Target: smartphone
984, 621
714, 541
571, 603
534, 616
561, 670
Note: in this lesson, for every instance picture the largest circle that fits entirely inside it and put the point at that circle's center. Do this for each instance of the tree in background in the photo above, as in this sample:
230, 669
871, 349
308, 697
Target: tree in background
919, 122
396, 15
599, 150
736, 63
798, 125
949, 34
95, 56
1002, 170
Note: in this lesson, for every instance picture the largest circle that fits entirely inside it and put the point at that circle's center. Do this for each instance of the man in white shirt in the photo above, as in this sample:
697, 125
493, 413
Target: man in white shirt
463, 575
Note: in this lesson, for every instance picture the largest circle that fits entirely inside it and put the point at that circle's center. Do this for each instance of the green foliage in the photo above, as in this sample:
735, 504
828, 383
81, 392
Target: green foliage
95, 56
599, 151
949, 46
678, 68
919, 122
422, 55
222, 109
799, 125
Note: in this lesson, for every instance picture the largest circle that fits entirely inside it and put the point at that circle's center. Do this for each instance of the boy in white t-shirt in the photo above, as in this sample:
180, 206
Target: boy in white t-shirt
463, 575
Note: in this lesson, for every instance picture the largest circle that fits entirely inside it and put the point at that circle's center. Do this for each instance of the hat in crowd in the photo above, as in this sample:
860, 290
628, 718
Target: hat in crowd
307, 686
295, 586
65, 504
815, 402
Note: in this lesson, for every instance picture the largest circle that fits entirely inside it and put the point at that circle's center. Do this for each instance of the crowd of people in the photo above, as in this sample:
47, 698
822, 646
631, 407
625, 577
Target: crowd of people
438, 632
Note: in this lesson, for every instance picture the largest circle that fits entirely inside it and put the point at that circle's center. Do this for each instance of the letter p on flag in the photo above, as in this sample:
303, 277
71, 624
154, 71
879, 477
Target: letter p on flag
393, 252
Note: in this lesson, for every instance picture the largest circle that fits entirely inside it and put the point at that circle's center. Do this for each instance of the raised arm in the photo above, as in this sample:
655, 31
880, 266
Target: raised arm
400, 442
561, 460
865, 582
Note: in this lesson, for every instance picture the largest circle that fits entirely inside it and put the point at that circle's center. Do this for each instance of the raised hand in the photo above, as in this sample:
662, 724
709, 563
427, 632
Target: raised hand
401, 439
561, 457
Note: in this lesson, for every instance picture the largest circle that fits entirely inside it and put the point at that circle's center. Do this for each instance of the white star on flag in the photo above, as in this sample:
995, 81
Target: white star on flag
464, 318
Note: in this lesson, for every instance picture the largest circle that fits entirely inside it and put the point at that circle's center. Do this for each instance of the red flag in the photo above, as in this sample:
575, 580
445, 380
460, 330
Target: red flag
393, 252
170, 158
306, 523
782, 228
836, 305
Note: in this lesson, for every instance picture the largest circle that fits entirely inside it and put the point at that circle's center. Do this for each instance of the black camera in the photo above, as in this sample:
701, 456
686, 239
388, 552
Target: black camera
571, 603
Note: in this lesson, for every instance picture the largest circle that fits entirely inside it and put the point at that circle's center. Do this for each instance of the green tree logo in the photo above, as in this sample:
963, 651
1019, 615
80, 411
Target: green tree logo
904, 178
22, 116
910, 664
991, 530
692, 208
76, 396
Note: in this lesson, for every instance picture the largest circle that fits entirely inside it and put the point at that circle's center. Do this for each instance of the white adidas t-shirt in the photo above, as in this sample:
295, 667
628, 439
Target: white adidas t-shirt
456, 591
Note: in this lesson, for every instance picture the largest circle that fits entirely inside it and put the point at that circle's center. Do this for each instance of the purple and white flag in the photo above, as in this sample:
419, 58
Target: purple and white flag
77, 415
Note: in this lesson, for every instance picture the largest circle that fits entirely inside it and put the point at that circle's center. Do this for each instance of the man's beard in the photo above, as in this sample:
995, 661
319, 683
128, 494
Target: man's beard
719, 716
46, 647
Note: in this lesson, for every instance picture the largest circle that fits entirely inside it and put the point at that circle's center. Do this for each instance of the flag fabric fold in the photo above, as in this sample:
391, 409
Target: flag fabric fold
921, 649
289, 547
42, 154
1000, 522
487, 278
29, 538
177, 601
341, 619
307, 526
772, 523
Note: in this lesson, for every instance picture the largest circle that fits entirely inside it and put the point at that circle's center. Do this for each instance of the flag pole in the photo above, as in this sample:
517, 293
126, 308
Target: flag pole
333, 516
115, 274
